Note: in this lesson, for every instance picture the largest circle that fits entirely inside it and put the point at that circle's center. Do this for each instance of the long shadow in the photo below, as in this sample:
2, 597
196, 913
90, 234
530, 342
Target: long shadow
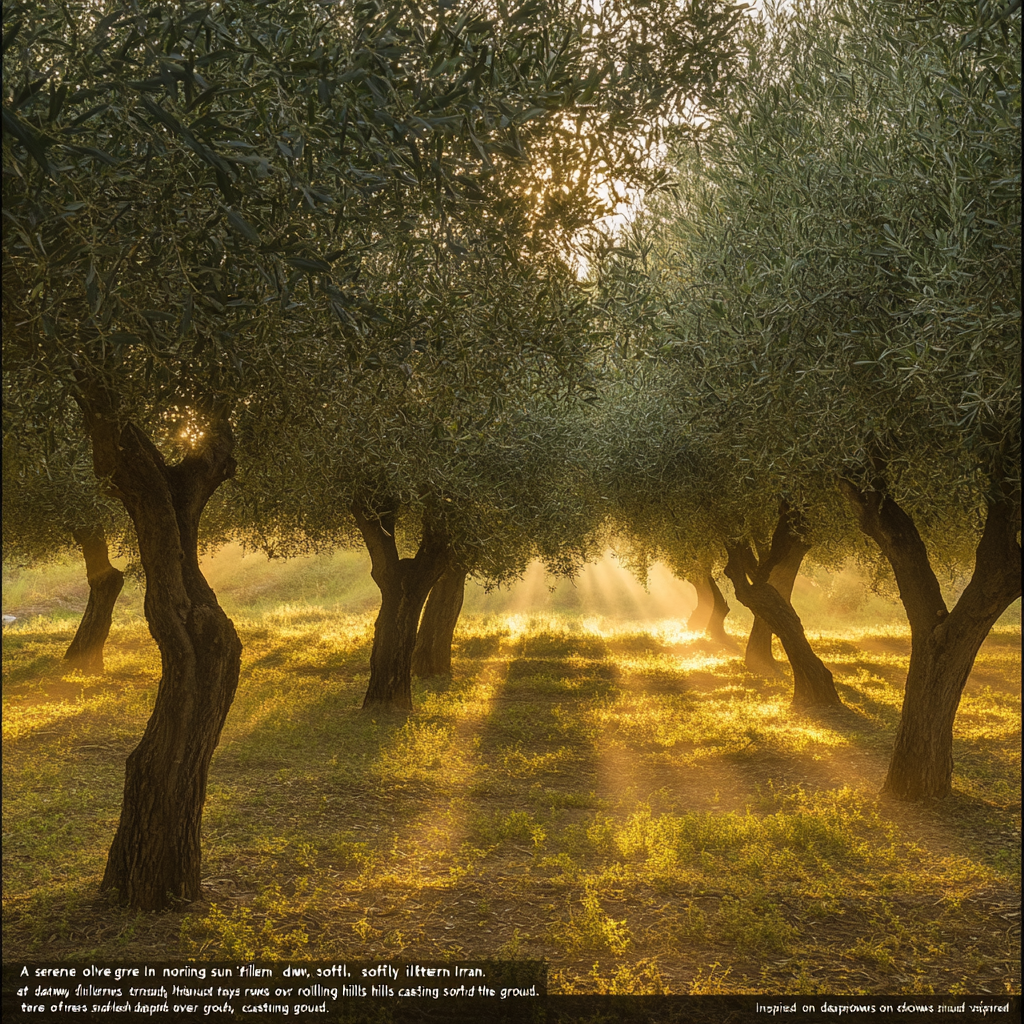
322, 774
870, 740
860, 715
637, 643
985, 754
293, 655
527, 758
43, 670
537, 768
553, 669
559, 645
965, 818
893, 674
535, 764
537, 688
898, 645
832, 647
995, 679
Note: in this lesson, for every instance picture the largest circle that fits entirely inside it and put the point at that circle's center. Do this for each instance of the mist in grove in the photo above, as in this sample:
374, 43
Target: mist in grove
516, 482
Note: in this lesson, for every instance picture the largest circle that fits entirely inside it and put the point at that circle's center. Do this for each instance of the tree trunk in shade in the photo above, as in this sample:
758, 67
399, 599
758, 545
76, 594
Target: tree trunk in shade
154, 861
944, 643
813, 684
759, 657
709, 615
701, 615
432, 655
404, 585
715, 628
105, 582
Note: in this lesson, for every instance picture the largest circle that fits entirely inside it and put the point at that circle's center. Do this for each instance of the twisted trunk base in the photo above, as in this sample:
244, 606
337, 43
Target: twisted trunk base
759, 656
404, 585
154, 860
813, 685
715, 628
709, 615
944, 643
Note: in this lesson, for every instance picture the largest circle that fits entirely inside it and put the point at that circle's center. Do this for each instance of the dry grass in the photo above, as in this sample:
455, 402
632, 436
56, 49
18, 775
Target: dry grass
623, 801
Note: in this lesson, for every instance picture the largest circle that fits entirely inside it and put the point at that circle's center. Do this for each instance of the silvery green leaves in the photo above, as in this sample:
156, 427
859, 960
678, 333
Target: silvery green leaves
206, 163
848, 235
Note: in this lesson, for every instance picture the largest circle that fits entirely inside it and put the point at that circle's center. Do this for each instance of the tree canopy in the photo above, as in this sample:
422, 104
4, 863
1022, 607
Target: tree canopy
840, 282
209, 207
331, 250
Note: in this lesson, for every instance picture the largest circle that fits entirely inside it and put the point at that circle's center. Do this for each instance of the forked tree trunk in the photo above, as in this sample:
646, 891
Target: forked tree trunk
432, 655
944, 643
404, 584
709, 615
105, 584
154, 861
813, 684
759, 656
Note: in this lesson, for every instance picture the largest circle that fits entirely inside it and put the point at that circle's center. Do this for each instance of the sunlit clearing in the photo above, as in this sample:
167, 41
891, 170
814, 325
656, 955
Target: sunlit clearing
524, 625
594, 787
604, 594
698, 661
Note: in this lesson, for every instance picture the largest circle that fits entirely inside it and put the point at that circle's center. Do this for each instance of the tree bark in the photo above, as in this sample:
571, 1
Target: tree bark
759, 657
105, 583
943, 643
432, 655
404, 584
154, 861
709, 615
812, 681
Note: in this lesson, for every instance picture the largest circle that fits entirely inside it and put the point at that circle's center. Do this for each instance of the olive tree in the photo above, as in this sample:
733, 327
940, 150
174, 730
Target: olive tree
51, 502
538, 503
187, 196
677, 493
446, 445
845, 255
472, 314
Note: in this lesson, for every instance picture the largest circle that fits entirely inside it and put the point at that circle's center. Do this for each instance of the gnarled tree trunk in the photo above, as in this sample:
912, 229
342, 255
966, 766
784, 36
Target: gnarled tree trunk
404, 584
432, 655
105, 582
154, 860
759, 657
812, 681
943, 643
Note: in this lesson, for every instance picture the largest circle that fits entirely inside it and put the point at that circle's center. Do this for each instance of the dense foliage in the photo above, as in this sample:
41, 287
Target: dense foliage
833, 299
844, 258
337, 231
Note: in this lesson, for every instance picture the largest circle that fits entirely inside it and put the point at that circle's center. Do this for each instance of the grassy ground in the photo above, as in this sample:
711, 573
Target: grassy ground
620, 799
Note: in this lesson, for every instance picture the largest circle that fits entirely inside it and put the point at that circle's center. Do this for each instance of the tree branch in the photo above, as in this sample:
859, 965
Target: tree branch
894, 531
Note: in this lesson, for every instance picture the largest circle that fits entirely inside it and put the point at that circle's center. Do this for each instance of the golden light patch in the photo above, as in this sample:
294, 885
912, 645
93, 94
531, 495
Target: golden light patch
26, 720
